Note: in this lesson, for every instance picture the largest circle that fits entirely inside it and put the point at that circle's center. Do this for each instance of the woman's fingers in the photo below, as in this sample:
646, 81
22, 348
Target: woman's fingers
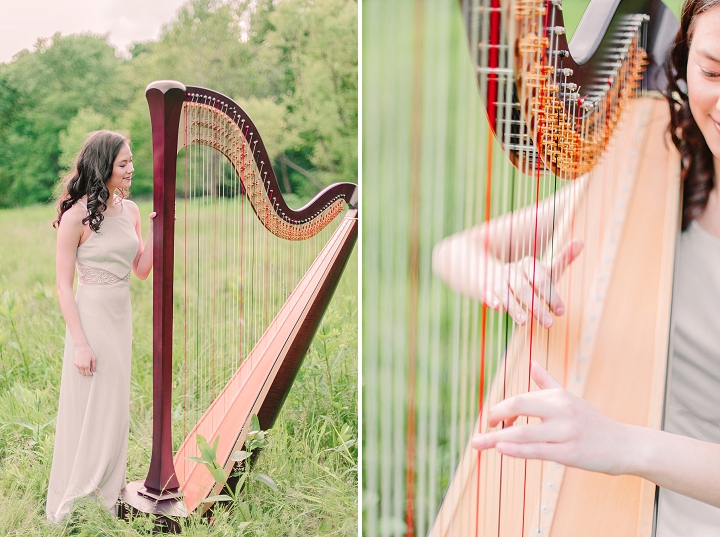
532, 404
84, 360
541, 404
542, 377
533, 283
521, 434
534, 303
508, 302
523, 290
571, 431
568, 254
528, 286
538, 275
491, 300
537, 450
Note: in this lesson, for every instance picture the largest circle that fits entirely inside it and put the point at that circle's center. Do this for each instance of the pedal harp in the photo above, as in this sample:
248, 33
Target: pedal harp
240, 285
546, 141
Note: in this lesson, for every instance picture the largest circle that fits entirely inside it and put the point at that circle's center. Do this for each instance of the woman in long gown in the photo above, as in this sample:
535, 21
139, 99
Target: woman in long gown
99, 234
685, 458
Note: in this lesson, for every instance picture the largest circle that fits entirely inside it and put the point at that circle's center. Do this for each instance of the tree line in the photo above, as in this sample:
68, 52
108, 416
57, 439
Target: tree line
292, 64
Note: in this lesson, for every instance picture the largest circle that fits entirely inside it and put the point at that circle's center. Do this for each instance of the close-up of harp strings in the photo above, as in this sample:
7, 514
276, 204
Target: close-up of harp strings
514, 163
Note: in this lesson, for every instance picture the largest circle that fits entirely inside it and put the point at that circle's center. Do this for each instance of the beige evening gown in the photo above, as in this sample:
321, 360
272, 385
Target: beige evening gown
94, 411
694, 401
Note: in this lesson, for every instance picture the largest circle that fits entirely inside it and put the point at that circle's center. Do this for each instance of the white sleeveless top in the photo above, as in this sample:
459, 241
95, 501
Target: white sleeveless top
694, 399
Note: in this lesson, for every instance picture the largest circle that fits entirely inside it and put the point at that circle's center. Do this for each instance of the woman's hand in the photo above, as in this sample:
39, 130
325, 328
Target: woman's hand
142, 265
571, 431
528, 284
574, 433
84, 360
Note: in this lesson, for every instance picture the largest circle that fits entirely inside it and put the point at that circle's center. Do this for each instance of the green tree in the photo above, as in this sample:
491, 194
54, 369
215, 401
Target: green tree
316, 41
72, 139
42, 91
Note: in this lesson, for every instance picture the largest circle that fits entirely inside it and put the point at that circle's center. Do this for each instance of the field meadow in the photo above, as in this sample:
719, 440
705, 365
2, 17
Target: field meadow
311, 453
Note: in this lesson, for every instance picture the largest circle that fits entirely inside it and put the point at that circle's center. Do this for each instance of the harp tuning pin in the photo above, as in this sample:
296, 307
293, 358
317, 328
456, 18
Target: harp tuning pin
559, 30
561, 53
566, 71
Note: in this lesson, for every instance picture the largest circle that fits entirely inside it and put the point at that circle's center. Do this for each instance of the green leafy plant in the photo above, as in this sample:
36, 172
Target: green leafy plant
256, 439
326, 342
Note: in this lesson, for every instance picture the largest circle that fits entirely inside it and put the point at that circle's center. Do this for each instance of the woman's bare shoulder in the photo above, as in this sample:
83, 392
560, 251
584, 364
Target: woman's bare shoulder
131, 205
133, 208
74, 215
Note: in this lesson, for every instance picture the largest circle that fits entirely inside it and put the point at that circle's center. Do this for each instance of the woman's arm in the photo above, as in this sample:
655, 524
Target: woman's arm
486, 261
70, 231
574, 433
142, 265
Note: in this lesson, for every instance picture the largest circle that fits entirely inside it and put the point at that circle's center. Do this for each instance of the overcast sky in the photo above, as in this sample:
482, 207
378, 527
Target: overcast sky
127, 21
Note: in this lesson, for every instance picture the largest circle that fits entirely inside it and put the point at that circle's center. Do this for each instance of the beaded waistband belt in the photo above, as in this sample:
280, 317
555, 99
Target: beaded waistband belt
94, 276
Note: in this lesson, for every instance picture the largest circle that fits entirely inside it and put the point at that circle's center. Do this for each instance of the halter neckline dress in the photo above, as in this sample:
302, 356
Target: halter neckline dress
93, 420
693, 406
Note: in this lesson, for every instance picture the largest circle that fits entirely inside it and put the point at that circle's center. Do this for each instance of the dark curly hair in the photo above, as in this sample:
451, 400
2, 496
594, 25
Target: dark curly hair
93, 168
698, 171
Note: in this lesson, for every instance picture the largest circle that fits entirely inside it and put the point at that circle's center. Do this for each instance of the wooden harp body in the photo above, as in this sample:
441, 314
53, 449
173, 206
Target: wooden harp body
570, 134
240, 285
611, 349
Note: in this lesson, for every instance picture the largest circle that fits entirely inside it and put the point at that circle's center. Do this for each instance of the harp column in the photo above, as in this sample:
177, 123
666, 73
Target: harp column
160, 493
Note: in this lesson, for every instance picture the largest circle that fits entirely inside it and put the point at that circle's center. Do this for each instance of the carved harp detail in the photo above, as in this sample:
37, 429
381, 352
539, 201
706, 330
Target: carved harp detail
211, 126
532, 141
569, 117
249, 331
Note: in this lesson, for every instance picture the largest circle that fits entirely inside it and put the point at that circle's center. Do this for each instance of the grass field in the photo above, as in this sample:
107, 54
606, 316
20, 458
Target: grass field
311, 454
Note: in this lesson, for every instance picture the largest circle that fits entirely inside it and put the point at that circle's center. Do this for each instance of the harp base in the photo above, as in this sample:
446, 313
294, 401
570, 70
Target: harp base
135, 500
159, 496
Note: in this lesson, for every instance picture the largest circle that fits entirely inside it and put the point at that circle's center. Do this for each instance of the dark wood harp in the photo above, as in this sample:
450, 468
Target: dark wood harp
261, 275
574, 132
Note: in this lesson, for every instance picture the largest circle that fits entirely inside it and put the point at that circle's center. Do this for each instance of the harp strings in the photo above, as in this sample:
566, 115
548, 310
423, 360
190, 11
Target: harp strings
232, 275
469, 356
454, 332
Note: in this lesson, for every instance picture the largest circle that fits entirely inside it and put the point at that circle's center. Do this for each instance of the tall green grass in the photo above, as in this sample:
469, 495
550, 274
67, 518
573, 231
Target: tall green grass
311, 455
